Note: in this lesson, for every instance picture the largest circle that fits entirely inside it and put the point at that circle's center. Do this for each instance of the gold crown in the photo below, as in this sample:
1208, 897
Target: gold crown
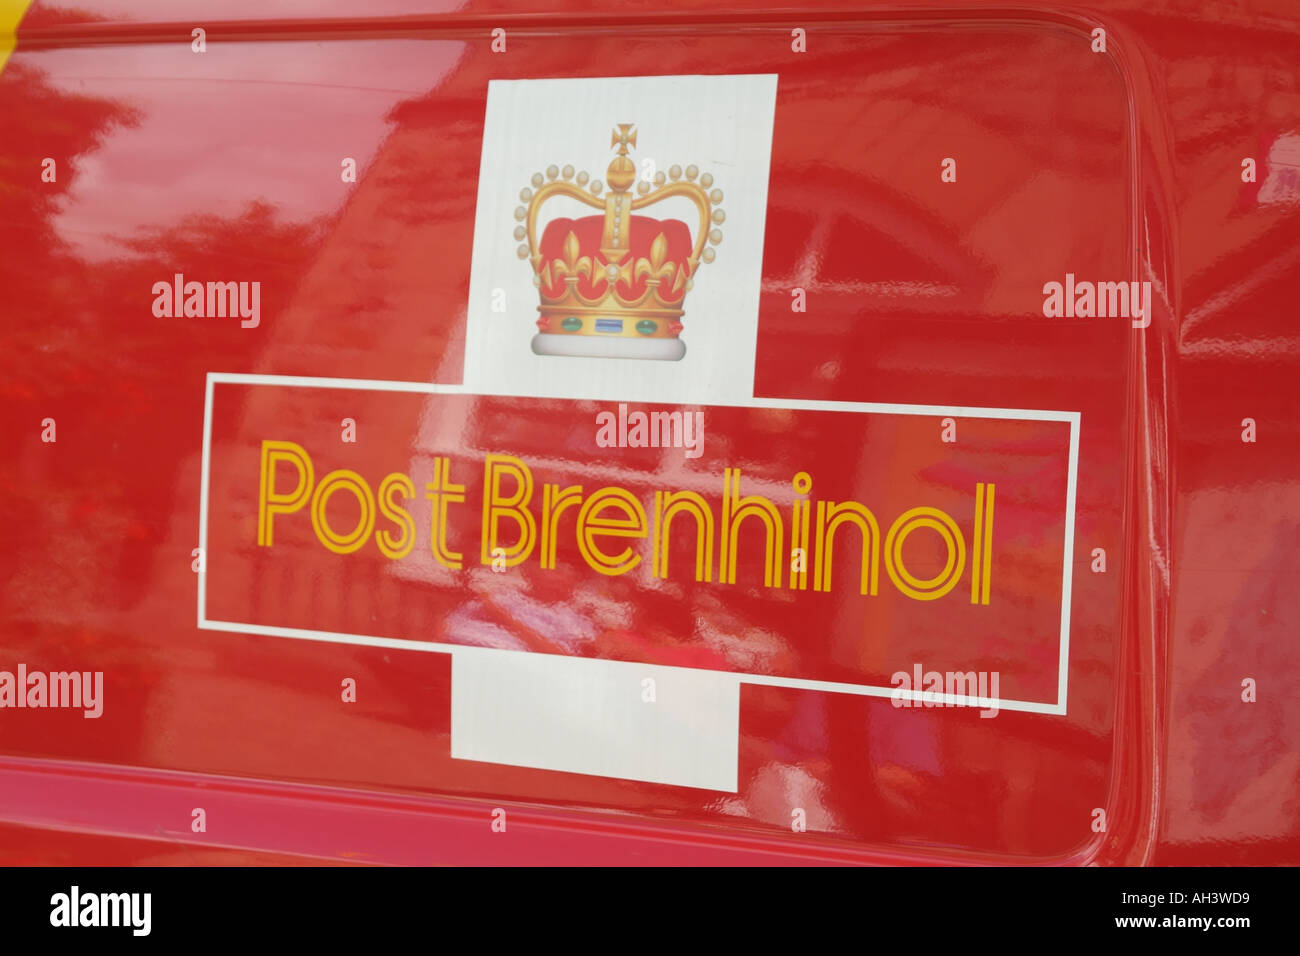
614, 286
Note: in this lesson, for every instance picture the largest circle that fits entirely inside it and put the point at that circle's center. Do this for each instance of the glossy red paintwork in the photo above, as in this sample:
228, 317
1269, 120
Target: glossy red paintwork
1124, 165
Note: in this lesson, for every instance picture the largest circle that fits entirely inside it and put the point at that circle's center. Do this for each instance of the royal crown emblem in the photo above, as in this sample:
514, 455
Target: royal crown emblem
614, 285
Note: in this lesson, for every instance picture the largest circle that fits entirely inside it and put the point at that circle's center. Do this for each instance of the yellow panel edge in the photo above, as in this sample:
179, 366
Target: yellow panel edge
11, 14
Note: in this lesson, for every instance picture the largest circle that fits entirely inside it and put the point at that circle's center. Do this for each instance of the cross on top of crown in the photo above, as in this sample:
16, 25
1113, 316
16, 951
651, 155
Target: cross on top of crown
623, 137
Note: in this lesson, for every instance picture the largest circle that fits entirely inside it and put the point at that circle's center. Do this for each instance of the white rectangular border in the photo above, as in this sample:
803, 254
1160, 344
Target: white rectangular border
429, 388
